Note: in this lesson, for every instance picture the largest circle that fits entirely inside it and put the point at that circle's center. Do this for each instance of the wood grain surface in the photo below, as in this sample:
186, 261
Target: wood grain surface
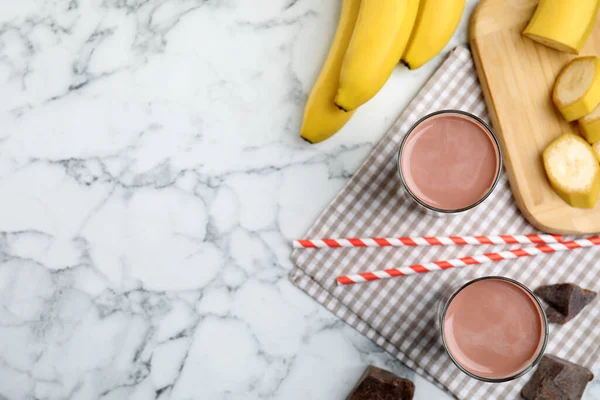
517, 76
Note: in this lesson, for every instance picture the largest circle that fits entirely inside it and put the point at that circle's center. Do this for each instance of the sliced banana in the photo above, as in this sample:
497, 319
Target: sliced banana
596, 147
590, 126
577, 88
563, 25
573, 170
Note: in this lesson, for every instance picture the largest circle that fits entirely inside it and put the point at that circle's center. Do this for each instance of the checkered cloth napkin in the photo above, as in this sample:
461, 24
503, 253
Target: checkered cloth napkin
400, 314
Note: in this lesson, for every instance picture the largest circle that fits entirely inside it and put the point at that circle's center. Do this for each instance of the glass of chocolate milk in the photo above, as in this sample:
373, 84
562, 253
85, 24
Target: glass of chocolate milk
493, 328
449, 162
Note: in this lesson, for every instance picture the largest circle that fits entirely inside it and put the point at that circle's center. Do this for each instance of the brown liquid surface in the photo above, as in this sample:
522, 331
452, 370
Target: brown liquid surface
449, 162
493, 329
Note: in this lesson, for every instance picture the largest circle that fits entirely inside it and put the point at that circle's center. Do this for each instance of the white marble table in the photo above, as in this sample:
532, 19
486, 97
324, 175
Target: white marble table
152, 178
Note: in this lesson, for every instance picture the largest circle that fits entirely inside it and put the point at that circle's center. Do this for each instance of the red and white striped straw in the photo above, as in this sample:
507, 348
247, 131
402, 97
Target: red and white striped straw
466, 261
425, 241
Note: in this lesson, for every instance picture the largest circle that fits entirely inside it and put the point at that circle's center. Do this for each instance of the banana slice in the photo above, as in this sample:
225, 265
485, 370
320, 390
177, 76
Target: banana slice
590, 126
562, 24
577, 88
573, 170
596, 147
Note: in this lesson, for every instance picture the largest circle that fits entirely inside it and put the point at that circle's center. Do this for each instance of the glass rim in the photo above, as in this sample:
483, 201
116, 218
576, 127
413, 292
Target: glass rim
490, 132
545, 330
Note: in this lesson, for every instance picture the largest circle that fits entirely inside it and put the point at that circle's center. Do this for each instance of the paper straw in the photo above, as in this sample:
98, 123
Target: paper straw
466, 261
425, 241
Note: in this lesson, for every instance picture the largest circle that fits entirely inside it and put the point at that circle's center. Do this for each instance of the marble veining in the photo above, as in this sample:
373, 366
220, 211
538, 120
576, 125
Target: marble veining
152, 179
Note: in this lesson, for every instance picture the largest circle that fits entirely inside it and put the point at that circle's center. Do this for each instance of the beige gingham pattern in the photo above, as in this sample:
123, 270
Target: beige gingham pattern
400, 314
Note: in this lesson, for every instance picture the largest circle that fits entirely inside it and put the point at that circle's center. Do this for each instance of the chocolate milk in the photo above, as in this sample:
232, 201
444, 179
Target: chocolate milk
449, 161
494, 329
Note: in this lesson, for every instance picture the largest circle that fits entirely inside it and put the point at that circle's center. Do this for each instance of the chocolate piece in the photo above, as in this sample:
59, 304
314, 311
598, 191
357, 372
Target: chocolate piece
379, 384
557, 379
565, 301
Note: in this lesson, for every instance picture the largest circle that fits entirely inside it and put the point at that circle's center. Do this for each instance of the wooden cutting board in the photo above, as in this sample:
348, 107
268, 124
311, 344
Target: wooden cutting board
517, 76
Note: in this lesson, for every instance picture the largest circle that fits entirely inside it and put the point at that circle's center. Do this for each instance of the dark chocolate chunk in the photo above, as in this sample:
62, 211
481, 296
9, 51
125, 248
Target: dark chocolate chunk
565, 301
557, 379
379, 384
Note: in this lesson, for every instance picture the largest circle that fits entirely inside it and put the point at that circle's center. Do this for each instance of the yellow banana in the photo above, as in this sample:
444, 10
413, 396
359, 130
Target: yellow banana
577, 88
322, 118
596, 147
563, 25
436, 22
589, 127
573, 170
379, 39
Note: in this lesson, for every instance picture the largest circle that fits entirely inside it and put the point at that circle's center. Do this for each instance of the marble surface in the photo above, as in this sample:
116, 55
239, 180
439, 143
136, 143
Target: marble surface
152, 178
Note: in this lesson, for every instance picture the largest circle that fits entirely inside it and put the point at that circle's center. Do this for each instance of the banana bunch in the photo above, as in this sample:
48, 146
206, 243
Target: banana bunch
371, 38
